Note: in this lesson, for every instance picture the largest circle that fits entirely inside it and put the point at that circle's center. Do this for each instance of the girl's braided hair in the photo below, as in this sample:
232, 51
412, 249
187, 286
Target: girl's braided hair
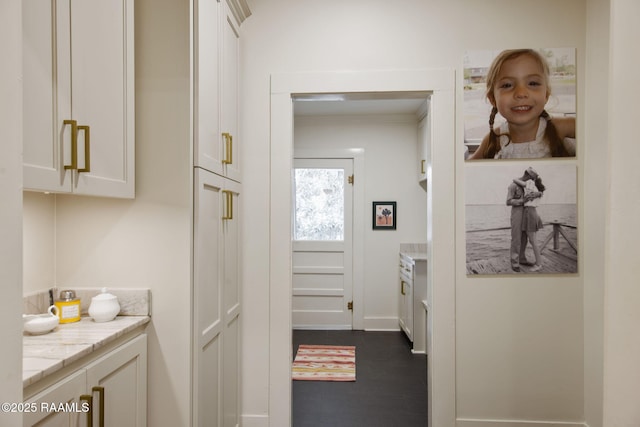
556, 144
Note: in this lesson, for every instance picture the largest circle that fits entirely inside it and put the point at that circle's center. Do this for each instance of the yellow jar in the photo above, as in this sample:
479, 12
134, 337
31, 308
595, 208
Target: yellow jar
68, 307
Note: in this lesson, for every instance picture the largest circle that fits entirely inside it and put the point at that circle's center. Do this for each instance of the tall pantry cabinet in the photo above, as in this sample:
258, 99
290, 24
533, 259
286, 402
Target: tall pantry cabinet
216, 300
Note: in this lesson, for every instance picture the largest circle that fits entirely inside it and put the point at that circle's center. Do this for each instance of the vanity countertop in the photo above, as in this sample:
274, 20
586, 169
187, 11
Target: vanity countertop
414, 251
415, 256
45, 354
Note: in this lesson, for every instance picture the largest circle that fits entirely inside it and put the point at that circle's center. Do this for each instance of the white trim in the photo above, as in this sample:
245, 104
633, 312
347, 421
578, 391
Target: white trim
439, 82
381, 324
470, 422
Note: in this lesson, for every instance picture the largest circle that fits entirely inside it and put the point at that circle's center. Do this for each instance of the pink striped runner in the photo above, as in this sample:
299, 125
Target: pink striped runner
325, 363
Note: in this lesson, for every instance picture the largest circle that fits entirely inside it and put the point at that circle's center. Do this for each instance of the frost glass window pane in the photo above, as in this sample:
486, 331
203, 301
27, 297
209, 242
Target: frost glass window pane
319, 202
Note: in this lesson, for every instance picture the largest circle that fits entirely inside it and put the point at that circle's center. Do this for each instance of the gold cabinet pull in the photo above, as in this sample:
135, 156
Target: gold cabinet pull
229, 204
89, 399
74, 144
422, 167
228, 146
100, 391
402, 288
87, 145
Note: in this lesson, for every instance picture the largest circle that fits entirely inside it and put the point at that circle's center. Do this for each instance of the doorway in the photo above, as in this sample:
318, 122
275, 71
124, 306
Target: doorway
442, 222
322, 243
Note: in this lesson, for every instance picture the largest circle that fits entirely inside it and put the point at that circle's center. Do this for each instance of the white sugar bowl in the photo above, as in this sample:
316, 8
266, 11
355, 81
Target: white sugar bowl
104, 307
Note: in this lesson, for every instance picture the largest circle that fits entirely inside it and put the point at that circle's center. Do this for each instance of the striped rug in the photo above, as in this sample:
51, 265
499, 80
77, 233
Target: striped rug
325, 363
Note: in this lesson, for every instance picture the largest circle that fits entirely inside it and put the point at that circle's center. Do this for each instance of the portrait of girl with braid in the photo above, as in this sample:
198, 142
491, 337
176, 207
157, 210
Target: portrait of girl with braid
518, 88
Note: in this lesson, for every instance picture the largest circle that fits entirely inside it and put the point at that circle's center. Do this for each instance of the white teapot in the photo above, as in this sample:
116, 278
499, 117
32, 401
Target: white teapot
37, 324
104, 307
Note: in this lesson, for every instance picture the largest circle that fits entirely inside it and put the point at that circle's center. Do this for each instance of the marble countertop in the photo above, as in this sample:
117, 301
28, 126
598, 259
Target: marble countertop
414, 251
416, 256
45, 354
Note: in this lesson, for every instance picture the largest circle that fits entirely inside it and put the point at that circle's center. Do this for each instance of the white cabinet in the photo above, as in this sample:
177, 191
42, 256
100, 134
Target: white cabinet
217, 305
424, 142
406, 301
216, 301
78, 97
216, 88
113, 386
413, 292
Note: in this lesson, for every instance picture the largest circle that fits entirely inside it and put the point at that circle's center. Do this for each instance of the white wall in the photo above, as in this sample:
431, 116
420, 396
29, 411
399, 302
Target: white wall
390, 150
11, 210
522, 336
622, 294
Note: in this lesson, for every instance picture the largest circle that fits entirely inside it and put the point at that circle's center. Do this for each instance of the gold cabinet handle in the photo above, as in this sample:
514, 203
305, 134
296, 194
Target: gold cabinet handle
100, 391
87, 145
89, 399
74, 143
229, 204
228, 146
402, 288
422, 167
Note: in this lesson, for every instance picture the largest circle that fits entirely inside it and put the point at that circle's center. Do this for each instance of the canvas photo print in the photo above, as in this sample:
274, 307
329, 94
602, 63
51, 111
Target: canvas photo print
521, 218
520, 103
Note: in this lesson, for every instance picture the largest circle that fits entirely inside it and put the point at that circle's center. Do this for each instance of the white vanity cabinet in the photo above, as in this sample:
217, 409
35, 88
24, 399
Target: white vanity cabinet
406, 297
216, 87
114, 386
78, 97
413, 291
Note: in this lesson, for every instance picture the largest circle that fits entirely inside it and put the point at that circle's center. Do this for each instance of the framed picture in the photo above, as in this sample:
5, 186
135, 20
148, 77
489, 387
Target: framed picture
384, 215
556, 67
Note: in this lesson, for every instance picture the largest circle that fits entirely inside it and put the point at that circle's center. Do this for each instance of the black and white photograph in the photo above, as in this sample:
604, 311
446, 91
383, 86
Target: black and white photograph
519, 103
521, 218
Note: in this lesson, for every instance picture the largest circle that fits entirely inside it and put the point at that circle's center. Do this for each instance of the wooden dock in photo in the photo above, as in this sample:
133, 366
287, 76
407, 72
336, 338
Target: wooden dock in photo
488, 251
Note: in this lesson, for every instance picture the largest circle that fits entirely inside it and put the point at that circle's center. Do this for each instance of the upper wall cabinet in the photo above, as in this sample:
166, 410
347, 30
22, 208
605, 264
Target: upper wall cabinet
424, 142
216, 86
78, 66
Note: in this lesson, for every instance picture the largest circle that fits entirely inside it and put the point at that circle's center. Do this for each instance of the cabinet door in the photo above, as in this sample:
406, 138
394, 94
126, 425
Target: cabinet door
67, 391
406, 307
207, 298
229, 93
103, 95
78, 67
232, 305
424, 145
122, 377
46, 57
208, 147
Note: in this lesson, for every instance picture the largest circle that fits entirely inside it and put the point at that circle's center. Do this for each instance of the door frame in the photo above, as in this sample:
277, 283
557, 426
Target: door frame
441, 207
357, 156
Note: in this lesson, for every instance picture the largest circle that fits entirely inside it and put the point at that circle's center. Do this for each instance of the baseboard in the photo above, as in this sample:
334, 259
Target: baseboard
468, 422
254, 421
381, 324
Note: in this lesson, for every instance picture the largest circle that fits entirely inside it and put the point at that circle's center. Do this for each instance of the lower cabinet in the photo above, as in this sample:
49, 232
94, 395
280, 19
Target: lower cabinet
110, 391
216, 301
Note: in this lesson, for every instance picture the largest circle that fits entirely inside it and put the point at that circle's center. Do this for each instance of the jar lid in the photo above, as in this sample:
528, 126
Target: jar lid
104, 295
67, 295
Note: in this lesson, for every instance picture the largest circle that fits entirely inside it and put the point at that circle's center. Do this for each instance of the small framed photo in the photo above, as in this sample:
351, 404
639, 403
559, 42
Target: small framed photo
384, 215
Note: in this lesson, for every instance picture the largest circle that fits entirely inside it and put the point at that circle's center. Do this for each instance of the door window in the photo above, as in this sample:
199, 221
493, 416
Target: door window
319, 204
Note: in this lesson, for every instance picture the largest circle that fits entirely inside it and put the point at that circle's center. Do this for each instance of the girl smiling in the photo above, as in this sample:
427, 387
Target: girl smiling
518, 88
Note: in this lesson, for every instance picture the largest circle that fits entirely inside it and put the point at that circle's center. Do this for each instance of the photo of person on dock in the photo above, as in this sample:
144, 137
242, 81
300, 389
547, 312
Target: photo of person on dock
523, 196
524, 120
535, 231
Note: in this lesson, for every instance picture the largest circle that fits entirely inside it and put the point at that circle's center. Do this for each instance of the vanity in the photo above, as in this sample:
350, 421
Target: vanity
412, 282
88, 372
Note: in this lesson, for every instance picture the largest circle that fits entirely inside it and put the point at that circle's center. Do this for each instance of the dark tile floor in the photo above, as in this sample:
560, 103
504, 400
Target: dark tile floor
390, 388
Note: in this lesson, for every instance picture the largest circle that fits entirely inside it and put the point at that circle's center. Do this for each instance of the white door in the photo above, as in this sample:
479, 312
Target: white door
322, 244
